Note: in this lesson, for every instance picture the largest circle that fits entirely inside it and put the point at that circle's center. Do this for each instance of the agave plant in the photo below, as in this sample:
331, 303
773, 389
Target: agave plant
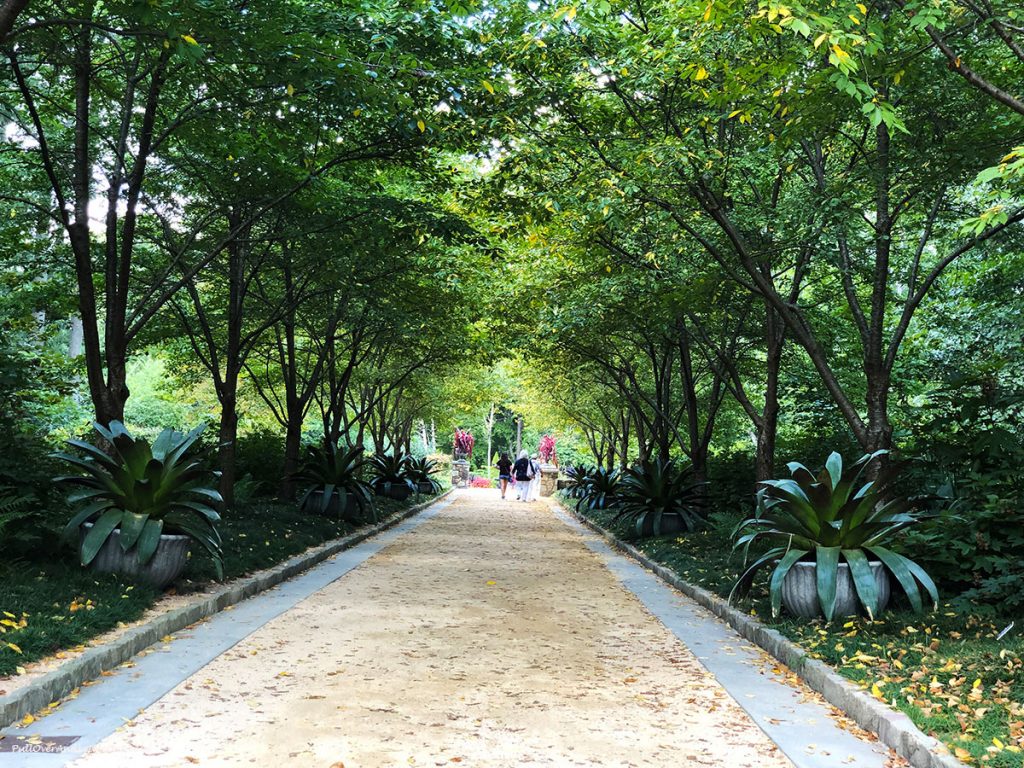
143, 491
830, 518
578, 478
660, 497
334, 474
599, 489
420, 471
391, 473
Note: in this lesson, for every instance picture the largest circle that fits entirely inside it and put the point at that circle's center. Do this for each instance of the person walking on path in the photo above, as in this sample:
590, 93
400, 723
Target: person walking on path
524, 474
504, 472
533, 493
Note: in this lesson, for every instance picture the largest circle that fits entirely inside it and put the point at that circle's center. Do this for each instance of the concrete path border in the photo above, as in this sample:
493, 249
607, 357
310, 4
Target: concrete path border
894, 729
57, 684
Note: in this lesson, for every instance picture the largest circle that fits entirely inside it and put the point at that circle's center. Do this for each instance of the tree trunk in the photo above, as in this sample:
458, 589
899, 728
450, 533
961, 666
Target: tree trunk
768, 425
292, 450
226, 450
9, 10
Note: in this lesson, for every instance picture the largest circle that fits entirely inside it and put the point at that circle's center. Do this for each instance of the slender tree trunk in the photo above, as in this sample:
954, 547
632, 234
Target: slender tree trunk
767, 426
226, 451
292, 451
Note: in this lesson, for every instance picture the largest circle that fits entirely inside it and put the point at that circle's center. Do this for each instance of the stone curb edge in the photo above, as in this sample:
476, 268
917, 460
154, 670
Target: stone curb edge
894, 729
60, 682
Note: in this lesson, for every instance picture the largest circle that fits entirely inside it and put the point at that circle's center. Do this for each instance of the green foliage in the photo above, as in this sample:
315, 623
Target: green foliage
600, 489
391, 471
421, 471
143, 491
16, 512
578, 476
335, 475
829, 518
653, 492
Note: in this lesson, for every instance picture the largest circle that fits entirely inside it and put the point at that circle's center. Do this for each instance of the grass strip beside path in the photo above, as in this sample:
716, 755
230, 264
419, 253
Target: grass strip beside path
48, 608
945, 669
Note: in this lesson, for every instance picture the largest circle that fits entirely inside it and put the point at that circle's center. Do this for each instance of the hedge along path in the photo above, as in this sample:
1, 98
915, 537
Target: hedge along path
488, 636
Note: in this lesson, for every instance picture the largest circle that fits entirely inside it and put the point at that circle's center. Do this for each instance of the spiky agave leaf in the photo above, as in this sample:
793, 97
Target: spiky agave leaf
141, 490
834, 518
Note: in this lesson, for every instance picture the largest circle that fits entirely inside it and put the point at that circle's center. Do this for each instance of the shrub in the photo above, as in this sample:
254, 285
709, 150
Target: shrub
389, 471
657, 495
481, 482
829, 518
143, 491
578, 476
335, 474
421, 471
600, 489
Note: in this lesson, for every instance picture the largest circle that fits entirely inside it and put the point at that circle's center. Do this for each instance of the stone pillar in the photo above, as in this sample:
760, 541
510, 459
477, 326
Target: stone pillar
548, 479
460, 473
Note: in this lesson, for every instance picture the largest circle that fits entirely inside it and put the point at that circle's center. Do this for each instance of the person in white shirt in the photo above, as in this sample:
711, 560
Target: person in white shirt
533, 492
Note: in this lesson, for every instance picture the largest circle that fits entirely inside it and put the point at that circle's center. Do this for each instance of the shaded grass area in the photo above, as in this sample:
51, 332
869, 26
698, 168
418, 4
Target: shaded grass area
945, 669
55, 605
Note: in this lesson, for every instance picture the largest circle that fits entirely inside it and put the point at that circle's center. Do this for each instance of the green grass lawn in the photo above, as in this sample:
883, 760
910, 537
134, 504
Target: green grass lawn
945, 669
49, 607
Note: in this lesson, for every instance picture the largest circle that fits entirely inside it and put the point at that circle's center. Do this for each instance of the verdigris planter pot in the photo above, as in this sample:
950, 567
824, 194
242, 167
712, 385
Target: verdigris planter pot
163, 568
351, 513
800, 591
670, 523
397, 491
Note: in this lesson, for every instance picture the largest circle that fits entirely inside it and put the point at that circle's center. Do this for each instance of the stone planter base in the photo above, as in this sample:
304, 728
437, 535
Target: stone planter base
424, 487
548, 479
460, 473
163, 568
800, 591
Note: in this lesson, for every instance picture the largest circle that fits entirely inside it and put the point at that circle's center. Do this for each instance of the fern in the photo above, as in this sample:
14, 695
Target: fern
14, 507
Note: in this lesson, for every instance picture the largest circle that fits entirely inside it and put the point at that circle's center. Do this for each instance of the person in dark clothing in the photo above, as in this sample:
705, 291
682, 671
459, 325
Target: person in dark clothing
504, 472
523, 471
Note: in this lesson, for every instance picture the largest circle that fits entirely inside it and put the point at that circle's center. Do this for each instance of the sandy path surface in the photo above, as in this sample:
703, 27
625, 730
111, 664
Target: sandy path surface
488, 636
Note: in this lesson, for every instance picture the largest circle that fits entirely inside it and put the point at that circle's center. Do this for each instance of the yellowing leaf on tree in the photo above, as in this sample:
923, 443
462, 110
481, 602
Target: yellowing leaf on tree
421, 125
702, 74
570, 13
189, 39
290, 89
356, 112
608, 268
820, 39
840, 53
707, 12
487, 87
862, 8
734, 113
853, 18
897, 77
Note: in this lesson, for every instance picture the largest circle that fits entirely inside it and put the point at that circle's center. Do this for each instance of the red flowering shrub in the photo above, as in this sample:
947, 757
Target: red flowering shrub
480, 482
463, 443
546, 449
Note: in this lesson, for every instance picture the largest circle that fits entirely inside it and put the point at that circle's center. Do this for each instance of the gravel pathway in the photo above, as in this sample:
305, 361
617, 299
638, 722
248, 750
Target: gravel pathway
489, 636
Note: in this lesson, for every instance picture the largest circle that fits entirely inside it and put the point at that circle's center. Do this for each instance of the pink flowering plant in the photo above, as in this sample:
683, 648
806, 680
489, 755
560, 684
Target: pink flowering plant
463, 443
546, 449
